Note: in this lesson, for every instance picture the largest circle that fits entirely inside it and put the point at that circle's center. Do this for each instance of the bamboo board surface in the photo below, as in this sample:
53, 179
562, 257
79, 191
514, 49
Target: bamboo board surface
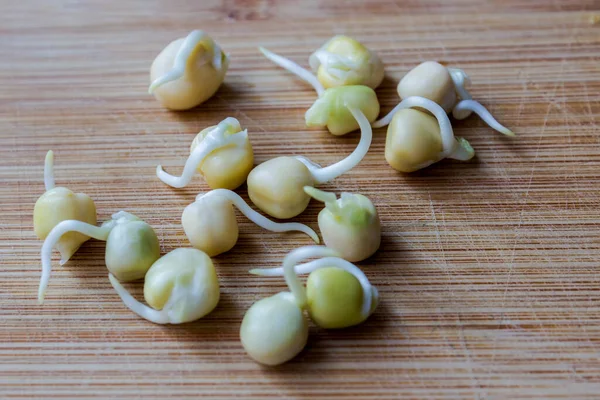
488, 270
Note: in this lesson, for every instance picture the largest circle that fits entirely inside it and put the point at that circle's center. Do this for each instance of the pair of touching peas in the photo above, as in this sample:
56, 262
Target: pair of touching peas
182, 286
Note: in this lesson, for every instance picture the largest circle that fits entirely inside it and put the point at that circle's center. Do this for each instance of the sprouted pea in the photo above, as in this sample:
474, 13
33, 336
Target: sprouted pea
447, 87
131, 246
331, 109
188, 71
211, 226
59, 204
222, 154
350, 225
338, 295
274, 330
343, 61
416, 140
182, 286
277, 185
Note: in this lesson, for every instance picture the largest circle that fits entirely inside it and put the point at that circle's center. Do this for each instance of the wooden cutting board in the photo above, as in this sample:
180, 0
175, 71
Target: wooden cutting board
488, 270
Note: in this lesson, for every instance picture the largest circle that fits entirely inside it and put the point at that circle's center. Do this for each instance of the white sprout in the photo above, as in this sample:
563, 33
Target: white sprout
326, 174
214, 140
446, 132
295, 69
257, 218
467, 105
287, 269
336, 65
464, 108
190, 294
183, 54
291, 271
49, 171
100, 233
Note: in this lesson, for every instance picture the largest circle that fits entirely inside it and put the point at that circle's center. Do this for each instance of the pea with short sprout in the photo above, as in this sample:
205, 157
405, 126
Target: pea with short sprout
446, 86
59, 204
181, 286
416, 140
277, 185
131, 246
188, 71
211, 226
338, 295
331, 109
344, 61
350, 225
222, 154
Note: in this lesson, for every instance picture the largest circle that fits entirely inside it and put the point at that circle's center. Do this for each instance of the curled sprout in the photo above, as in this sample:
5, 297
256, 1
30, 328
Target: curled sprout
214, 140
182, 59
131, 248
171, 312
467, 105
290, 270
49, 171
451, 147
100, 233
295, 69
257, 218
287, 269
326, 174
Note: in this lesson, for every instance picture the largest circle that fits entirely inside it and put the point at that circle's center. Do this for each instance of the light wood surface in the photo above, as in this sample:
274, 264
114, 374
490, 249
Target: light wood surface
488, 270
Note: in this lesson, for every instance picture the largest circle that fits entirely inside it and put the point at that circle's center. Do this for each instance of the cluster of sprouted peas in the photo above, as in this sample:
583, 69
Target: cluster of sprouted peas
182, 286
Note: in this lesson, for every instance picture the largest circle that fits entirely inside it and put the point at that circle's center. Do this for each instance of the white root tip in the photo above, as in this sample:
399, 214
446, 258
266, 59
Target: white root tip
49, 171
464, 108
331, 172
294, 69
140, 309
55, 234
463, 150
259, 219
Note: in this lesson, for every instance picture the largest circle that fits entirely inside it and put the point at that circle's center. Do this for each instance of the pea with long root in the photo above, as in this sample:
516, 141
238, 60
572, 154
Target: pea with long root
181, 286
350, 225
222, 154
331, 109
416, 140
210, 223
188, 71
277, 185
446, 87
338, 295
59, 204
131, 246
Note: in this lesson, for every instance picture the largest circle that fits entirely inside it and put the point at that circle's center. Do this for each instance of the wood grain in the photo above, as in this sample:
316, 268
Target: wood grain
488, 270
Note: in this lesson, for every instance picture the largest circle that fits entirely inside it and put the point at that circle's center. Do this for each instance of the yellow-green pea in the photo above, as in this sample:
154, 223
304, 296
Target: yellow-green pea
182, 286
188, 71
277, 186
222, 154
335, 298
131, 246
344, 61
331, 108
350, 225
274, 330
416, 140
59, 204
211, 226
338, 294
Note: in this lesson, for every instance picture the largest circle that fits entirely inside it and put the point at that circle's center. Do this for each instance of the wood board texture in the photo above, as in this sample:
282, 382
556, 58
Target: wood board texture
488, 270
